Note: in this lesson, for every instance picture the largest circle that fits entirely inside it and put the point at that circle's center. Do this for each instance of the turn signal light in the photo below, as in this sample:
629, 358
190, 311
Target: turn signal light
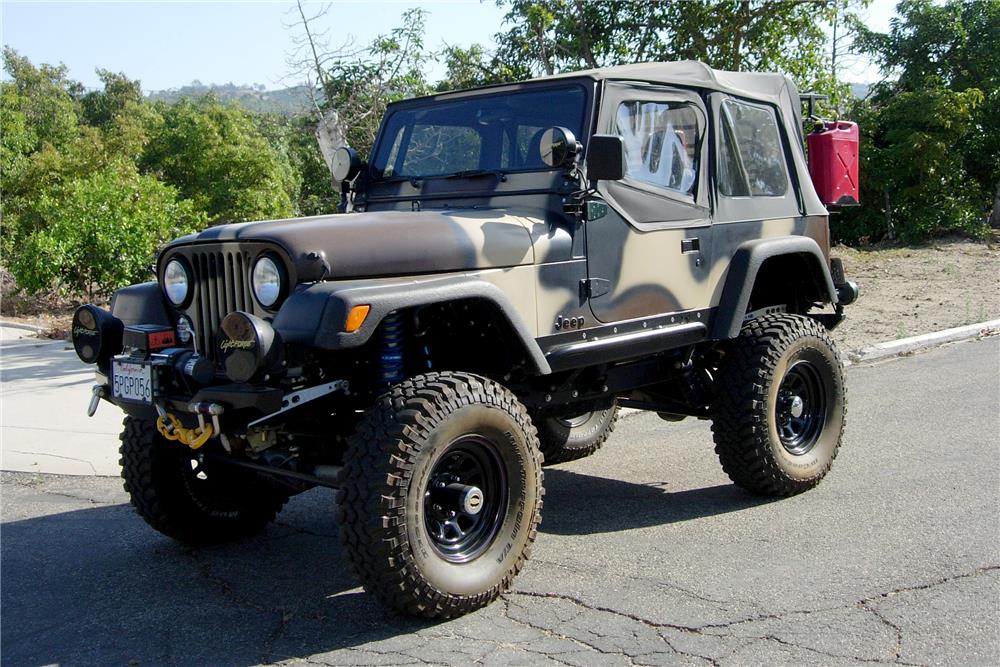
357, 317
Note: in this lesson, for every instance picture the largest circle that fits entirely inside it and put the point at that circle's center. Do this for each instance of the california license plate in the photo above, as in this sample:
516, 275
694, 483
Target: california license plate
132, 381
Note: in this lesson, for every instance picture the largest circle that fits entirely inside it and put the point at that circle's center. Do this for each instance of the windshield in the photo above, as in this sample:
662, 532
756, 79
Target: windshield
489, 133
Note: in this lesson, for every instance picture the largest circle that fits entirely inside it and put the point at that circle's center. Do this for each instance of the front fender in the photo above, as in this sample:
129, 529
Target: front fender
316, 315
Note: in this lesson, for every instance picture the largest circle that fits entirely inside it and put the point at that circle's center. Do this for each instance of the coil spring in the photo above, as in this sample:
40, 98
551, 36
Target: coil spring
392, 348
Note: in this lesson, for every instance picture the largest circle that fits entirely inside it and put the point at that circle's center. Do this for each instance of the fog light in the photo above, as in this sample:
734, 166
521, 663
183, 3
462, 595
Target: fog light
96, 334
249, 347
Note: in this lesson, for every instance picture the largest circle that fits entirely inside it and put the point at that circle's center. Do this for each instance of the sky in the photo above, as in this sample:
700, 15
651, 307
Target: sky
170, 44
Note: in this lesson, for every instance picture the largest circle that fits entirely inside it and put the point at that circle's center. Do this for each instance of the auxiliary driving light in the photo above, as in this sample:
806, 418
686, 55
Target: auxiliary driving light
249, 347
96, 334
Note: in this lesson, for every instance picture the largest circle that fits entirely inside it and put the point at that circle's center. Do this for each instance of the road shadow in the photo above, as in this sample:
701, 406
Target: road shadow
580, 504
97, 586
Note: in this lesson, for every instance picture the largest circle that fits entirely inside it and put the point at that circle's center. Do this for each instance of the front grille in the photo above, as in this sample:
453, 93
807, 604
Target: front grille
222, 285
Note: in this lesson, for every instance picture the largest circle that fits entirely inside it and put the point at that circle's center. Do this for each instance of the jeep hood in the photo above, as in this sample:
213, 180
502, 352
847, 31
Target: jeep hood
388, 243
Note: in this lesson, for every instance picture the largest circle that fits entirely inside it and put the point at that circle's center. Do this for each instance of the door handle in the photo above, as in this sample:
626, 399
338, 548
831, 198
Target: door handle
690, 245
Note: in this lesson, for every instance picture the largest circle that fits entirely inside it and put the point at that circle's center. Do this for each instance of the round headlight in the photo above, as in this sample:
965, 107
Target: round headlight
176, 282
266, 281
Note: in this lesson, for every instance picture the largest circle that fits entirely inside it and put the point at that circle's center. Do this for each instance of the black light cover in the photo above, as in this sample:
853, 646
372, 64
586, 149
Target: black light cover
249, 347
96, 334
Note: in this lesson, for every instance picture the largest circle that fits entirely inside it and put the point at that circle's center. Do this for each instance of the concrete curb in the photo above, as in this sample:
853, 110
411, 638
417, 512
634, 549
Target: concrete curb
907, 346
20, 325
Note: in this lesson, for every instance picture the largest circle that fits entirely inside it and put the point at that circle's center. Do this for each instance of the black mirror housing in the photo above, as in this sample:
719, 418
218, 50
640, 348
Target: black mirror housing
606, 158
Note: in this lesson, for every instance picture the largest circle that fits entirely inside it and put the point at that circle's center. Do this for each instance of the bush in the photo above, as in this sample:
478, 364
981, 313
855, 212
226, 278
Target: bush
101, 232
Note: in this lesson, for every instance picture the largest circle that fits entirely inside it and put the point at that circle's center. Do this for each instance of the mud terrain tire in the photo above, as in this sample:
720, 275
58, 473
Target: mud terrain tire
781, 405
190, 501
565, 439
454, 428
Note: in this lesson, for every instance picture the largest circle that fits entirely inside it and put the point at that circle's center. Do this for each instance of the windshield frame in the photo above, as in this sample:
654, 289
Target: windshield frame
586, 85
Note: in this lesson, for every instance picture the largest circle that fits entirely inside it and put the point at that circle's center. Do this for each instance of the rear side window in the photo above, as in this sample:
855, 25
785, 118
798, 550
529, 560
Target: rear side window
661, 144
752, 159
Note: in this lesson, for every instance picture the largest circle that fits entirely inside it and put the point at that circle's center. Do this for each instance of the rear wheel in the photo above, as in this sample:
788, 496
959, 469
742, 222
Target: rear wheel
781, 404
442, 494
189, 499
568, 438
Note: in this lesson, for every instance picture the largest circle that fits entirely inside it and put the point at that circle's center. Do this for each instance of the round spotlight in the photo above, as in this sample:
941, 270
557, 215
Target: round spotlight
249, 347
96, 334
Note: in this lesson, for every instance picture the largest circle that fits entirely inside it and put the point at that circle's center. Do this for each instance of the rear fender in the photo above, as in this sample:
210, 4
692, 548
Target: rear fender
746, 265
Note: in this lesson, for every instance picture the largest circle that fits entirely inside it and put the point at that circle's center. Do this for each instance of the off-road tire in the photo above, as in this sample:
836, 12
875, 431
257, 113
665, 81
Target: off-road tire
746, 416
563, 440
227, 504
404, 438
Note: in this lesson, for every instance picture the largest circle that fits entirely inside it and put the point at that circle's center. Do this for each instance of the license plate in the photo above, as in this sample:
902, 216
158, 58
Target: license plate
132, 381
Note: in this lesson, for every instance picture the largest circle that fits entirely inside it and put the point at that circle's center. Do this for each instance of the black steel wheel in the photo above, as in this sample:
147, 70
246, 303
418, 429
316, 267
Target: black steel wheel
442, 494
781, 404
184, 497
801, 408
465, 498
570, 437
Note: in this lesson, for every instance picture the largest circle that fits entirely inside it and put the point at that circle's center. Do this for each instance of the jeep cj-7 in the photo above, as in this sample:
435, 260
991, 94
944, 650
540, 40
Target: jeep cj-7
516, 262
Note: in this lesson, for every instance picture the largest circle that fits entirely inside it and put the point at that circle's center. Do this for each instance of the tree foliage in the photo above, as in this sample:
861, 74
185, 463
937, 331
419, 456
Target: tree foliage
550, 36
358, 84
218, 158
100, 232
931, 130
80, 171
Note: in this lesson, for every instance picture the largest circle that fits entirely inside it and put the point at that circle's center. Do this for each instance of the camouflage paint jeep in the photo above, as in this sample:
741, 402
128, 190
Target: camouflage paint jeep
518, 262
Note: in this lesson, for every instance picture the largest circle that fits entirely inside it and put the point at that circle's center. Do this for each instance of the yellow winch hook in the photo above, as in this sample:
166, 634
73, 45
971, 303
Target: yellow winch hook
192, 437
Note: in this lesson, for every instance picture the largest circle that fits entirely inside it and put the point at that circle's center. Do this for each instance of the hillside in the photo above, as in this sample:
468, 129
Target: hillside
286, 101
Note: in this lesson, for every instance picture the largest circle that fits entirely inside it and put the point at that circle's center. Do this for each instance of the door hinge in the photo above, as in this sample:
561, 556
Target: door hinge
596, 210
594, 287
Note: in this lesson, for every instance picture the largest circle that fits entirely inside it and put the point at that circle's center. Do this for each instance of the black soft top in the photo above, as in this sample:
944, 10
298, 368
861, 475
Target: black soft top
776, 89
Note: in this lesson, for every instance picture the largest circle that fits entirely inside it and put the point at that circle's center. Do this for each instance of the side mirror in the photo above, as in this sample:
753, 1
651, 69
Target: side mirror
558, 147
606, 158
345, 166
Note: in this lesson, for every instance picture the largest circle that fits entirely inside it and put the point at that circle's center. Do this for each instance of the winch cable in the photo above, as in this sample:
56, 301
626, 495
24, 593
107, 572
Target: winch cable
192, 437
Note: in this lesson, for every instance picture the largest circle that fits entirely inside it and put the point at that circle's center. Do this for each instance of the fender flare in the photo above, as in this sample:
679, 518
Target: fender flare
316, 314
742, 275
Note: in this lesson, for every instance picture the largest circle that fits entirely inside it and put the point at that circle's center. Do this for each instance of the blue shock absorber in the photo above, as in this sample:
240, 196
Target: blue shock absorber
392, 348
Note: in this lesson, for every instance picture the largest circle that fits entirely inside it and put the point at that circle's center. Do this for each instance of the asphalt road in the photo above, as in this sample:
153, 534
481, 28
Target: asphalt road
647, 555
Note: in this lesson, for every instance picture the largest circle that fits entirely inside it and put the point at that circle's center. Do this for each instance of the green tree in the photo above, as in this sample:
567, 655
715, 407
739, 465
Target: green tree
358, 84
101, 232
45, 96
931, 130
550, 36
216, 156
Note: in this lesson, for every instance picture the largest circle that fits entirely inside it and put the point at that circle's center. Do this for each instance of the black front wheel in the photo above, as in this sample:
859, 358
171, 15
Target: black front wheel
442, 494
781, 403
187, 498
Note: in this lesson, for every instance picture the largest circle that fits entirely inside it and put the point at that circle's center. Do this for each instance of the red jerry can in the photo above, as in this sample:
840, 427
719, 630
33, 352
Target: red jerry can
833, 162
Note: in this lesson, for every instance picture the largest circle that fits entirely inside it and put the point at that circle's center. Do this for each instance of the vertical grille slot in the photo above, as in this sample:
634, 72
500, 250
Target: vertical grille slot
221, 283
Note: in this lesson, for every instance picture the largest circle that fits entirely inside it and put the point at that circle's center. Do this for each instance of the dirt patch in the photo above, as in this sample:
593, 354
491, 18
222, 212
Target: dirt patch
904, 292
914, 290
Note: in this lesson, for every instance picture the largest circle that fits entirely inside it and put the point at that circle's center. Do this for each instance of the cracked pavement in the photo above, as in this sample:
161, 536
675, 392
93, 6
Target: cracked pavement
647, 555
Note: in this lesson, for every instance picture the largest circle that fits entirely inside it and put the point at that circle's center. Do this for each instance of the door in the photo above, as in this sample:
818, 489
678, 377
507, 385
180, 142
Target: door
649, 254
